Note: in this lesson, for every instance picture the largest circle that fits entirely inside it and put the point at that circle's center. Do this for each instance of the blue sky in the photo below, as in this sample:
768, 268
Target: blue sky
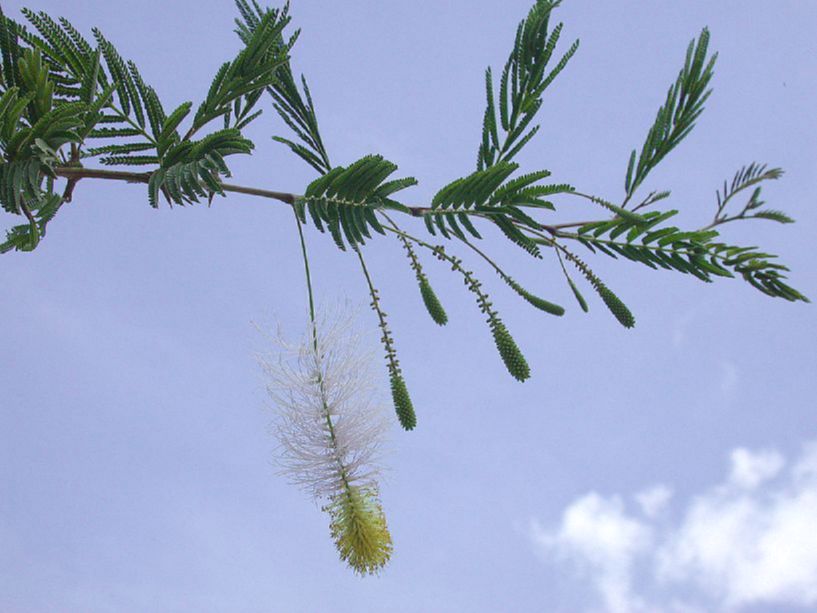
666, 468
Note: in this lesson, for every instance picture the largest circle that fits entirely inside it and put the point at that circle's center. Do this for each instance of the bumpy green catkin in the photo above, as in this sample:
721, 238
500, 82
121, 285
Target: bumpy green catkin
433, 305
511, 355
617, 307
402, 401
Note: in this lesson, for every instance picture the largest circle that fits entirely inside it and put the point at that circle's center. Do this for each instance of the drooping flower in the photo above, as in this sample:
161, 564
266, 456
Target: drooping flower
330, 429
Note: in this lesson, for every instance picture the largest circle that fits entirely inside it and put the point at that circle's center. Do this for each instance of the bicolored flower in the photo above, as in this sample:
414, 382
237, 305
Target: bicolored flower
330, 429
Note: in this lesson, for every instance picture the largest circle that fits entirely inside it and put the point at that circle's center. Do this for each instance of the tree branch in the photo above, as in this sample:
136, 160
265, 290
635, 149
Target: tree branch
75, 174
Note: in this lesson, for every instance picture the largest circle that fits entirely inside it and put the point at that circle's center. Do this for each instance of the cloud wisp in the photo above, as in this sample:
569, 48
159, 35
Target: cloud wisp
748, 541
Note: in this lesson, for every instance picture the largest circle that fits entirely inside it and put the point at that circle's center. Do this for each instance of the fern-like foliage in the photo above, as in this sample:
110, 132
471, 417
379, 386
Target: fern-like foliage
689, 252
677, 116
59, 91
488, 194
506, 130
345, 199
239, 83
296, 109
749, 176
524, 80
34, 125
192, 169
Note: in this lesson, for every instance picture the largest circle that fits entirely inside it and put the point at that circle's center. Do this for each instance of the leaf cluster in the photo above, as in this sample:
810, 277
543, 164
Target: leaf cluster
677, 116
690, 252
749, 176
59, 92
524, 80
296, 109
345, 199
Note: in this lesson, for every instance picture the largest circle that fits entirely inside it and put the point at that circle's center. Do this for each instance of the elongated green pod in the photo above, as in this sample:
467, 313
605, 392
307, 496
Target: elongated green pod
539, 303
402, 401
433, 305
616, 306
579, 298
509, 351
613, 302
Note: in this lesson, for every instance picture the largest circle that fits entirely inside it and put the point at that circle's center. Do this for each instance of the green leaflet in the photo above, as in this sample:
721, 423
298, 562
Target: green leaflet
677, 116
473, 190
747, 177
297, 110
524, 80
516, 236
344, 199
489, 194
191, 170
252, 71
778, 216
694, 252
27, 237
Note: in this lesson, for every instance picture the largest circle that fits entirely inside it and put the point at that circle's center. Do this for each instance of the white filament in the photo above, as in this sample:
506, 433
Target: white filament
328, 423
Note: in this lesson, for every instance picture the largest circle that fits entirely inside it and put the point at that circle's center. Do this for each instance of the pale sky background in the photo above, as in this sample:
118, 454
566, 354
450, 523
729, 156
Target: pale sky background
671, 467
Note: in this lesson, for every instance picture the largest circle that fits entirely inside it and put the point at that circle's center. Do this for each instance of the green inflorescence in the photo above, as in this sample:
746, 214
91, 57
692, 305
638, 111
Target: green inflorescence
511, 355
432, 302
402, 400
400, 395
613, 302
539, 303
616, 306
508, 349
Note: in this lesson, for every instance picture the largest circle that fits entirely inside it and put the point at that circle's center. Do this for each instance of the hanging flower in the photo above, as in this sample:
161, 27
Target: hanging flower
330, 430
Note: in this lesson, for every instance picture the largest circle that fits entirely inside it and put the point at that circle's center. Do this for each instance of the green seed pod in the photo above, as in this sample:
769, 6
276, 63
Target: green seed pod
435, 308
579, 298
515, 362
402, 401
617, 307
359, 530
539, 303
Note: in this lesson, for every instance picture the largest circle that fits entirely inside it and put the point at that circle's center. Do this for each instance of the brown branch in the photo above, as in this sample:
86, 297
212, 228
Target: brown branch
74, 175
72, 183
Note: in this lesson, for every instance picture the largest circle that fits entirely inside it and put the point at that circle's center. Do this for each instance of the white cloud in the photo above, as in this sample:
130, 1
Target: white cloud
597, 531
654, 500
750, 540
751, 469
